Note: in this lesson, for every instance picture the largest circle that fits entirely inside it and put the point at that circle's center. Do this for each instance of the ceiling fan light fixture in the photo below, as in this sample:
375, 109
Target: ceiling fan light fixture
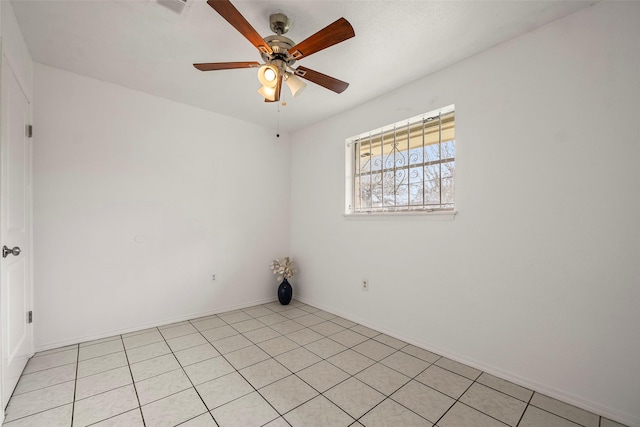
269, 93
295, 84
268, 75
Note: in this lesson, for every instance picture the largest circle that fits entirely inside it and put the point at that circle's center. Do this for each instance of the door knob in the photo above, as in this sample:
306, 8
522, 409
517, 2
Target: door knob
6, 251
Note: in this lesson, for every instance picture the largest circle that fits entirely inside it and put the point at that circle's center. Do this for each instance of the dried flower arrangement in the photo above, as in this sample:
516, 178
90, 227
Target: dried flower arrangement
283, 269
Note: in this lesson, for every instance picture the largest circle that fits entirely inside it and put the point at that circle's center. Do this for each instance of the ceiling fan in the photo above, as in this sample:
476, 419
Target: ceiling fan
279, 53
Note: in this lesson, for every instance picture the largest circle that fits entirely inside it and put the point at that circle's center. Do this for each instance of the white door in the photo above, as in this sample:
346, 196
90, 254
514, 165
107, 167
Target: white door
15, 232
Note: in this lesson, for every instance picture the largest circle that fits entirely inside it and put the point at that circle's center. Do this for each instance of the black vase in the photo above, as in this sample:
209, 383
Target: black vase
285, 292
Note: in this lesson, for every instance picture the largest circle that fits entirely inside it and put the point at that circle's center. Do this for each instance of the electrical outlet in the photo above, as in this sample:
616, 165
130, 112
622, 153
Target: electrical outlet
213, 277
365, 285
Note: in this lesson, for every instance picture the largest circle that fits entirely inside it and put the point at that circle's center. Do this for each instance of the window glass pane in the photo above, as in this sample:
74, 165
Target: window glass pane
448, 149
432, 192
357, 202
388, 195
364, 163
432, 153
448, 169
365, 191
416, 186
376, 190
402, 187
415, 156
376, 153
448, 189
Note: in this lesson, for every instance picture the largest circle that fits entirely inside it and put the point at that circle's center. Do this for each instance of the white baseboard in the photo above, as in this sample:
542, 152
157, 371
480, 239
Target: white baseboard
153, 324
587, 405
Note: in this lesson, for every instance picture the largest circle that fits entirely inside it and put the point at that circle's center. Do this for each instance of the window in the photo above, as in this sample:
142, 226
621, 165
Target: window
404, 167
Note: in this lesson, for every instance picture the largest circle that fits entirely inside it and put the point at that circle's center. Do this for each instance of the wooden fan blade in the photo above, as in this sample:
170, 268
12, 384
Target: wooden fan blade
335, 33
235, 18
212, 66
338, 86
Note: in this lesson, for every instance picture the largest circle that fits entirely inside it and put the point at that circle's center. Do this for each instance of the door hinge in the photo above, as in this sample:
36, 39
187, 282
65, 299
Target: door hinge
29, 131
30, 317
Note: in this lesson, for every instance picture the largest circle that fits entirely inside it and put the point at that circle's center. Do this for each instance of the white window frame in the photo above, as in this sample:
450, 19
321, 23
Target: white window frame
423, 210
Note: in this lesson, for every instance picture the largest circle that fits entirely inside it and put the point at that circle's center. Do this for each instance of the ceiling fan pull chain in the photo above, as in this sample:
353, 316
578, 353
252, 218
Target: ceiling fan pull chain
278, 122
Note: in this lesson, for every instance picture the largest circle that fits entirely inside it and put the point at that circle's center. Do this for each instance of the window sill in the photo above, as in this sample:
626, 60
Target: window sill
428, 216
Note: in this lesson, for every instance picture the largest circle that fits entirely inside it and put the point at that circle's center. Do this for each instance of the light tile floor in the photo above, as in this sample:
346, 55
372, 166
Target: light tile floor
271, 365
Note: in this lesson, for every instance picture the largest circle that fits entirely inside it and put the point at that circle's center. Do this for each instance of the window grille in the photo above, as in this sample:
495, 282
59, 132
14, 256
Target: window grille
407, 166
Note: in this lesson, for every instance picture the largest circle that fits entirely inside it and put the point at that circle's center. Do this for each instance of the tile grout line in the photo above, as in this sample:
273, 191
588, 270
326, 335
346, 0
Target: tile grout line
186, 375
321, 393
270, 357
337, 367
297, 376
133, 381
291, 372
463, 393
414, 379
75, 385
244, 378
39, 372
525, 409
426, 385
410, 379
397, 350
467, 389
42, 388
496, 390
356, 420
281, 415
116, 388
560, 416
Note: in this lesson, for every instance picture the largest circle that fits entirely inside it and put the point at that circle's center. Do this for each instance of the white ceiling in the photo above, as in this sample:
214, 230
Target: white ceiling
144, 46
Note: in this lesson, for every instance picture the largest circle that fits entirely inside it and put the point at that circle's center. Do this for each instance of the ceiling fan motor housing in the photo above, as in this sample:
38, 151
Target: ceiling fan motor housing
280, 46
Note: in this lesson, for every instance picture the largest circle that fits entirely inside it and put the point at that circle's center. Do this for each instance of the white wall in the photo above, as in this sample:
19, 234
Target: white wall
537, 278
15, 48
139, 200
